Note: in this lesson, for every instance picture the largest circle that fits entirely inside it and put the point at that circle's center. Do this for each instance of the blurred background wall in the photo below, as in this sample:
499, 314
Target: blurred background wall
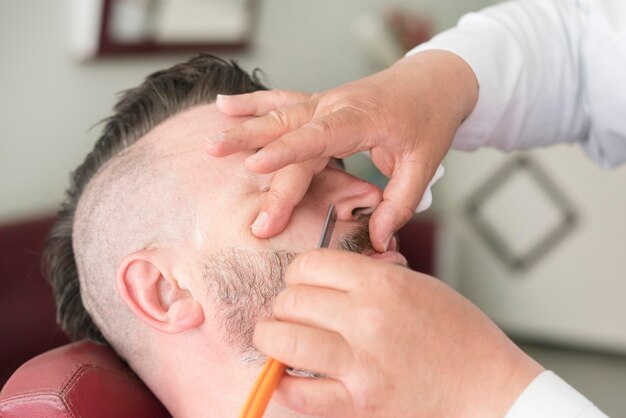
49, 100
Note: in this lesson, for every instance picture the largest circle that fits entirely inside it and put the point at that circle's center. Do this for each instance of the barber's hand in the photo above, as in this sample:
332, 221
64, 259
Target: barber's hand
392, 343
406, 116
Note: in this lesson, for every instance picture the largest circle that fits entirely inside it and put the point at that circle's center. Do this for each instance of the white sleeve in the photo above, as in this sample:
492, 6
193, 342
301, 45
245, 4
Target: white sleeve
549, 71
548, 396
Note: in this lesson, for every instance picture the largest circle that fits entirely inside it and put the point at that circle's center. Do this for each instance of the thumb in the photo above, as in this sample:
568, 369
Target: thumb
400, 198
427, 198
319, 397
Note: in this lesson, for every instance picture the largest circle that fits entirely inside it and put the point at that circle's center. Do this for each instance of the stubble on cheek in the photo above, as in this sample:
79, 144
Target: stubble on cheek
243, 283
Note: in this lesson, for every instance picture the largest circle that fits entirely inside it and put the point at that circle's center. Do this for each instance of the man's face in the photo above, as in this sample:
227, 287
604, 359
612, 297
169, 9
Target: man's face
219, 199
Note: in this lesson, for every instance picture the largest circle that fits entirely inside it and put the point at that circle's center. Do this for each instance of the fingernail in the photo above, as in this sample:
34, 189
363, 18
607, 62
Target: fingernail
219, 96
215, 139
260, 221
256, 157
387, 241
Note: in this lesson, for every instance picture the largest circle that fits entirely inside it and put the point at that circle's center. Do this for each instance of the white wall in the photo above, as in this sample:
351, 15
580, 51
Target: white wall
48, 101
575, 294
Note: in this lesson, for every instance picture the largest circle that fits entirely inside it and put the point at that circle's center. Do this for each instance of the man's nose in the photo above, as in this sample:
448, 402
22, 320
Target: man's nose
352, 196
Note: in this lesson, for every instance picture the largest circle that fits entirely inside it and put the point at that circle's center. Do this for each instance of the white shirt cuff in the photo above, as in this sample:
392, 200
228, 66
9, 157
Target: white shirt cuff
549, 396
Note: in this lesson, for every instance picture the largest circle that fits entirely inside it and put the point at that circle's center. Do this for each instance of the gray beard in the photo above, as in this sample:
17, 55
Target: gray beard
243, 283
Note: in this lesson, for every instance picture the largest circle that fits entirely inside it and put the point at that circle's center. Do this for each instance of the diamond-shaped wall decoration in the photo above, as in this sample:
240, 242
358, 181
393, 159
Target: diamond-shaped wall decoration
521, 234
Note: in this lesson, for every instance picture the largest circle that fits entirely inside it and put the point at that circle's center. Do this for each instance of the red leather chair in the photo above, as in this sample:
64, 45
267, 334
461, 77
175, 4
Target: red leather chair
27, 313
418, 243
81, 379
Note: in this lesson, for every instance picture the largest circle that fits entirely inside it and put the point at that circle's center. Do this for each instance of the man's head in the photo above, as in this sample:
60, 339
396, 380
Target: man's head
152, 251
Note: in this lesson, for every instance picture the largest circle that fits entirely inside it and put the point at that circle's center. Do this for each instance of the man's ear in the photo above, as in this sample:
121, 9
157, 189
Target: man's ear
145, 284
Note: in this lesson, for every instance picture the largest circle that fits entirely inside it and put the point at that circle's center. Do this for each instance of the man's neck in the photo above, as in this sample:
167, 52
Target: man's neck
220, 392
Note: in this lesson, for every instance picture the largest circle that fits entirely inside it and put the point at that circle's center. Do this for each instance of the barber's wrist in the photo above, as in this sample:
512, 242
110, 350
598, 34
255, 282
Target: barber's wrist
452, 78
512, 382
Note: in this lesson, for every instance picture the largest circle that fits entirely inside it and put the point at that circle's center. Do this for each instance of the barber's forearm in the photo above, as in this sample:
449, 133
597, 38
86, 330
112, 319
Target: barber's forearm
454, 81
526, 57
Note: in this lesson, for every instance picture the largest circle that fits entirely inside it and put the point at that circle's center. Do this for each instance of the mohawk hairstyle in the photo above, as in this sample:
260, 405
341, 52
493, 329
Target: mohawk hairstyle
161, 95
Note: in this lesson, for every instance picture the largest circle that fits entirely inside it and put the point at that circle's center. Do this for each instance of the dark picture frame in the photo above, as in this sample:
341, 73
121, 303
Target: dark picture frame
496, 241
108, 46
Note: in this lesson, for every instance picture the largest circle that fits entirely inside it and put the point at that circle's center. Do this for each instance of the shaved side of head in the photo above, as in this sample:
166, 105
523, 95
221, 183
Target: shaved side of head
113, 205
125, 208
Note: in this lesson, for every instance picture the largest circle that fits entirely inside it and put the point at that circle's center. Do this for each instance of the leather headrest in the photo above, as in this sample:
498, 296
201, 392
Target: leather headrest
81, 379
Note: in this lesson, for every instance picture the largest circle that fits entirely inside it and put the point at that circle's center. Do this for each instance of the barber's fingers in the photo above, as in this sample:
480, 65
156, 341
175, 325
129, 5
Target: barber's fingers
318, 397
258, 132
338, 134
314, 306
400, 198
287, 189
304, 347
335, 269
258, 103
